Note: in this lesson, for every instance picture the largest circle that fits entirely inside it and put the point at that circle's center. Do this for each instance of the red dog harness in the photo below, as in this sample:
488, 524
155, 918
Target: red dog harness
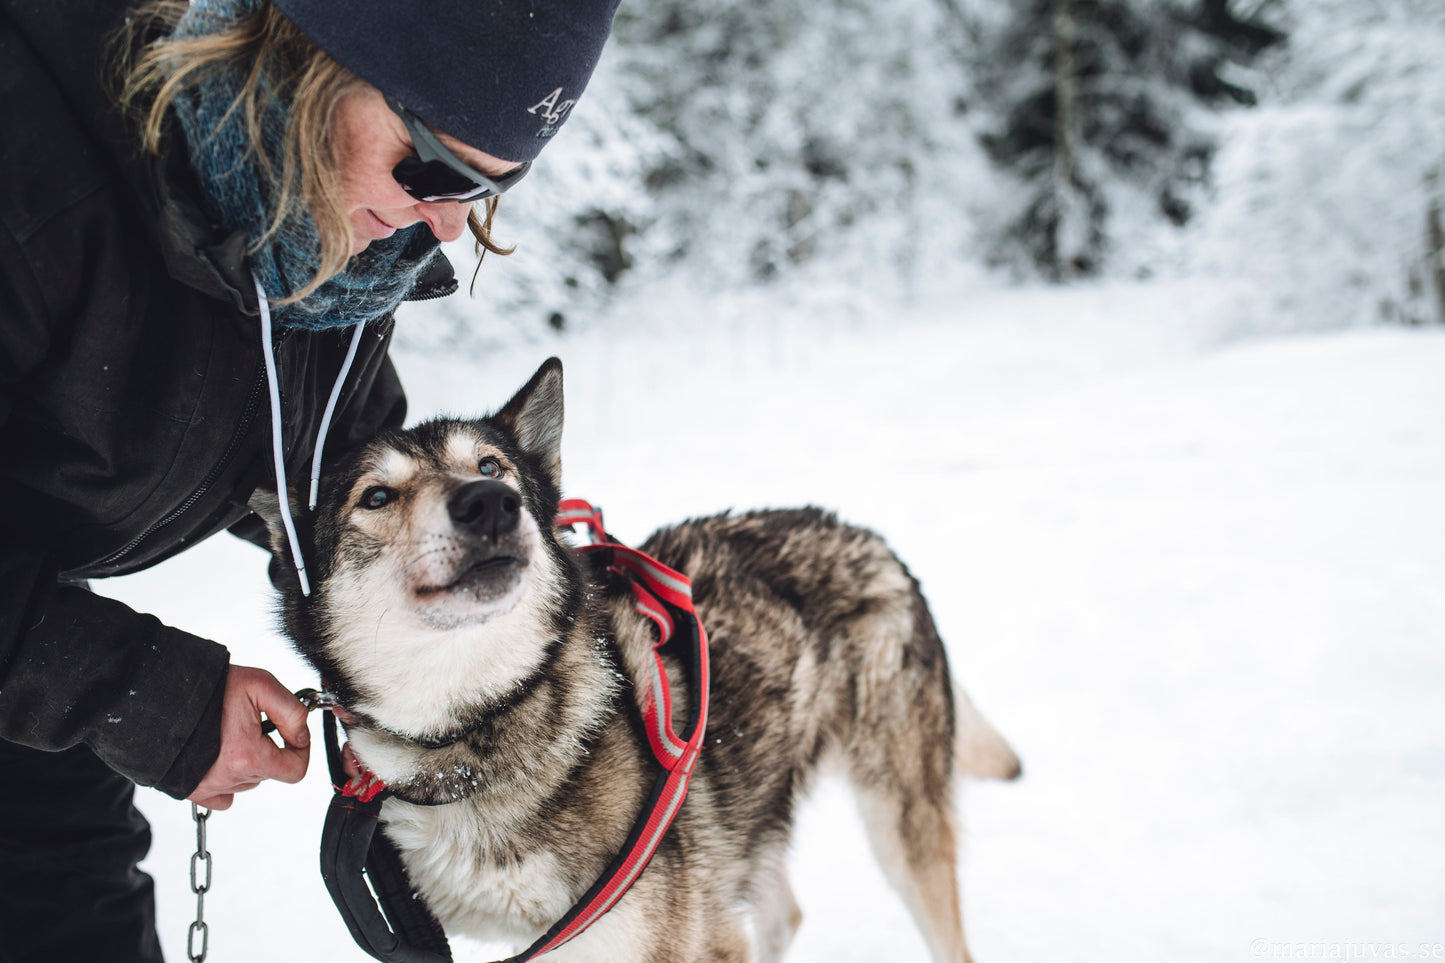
353, 853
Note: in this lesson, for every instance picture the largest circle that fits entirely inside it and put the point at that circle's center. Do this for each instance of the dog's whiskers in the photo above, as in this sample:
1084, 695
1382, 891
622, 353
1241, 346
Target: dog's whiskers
450, 547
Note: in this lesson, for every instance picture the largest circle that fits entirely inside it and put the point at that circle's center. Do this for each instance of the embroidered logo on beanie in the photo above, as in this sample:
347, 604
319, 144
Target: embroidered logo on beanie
553, 110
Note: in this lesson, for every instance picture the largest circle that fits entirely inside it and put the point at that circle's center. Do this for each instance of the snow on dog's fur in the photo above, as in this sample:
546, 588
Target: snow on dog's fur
487, 670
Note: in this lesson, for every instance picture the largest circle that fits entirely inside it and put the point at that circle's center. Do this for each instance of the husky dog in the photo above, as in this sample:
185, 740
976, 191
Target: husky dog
481, 659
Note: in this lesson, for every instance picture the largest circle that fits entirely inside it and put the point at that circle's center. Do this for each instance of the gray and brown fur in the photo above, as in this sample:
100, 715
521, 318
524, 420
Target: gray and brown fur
822, 649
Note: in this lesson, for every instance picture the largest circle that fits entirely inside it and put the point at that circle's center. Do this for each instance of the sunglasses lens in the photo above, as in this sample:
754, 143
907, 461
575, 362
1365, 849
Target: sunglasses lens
435, 181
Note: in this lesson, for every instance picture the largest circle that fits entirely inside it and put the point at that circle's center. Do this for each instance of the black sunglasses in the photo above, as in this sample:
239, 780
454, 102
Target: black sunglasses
436, 174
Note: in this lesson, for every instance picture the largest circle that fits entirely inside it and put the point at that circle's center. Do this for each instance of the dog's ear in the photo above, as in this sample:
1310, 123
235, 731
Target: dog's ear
534, 417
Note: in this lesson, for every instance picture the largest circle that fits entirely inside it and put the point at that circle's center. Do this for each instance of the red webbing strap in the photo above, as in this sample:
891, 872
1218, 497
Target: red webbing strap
658, 590
665, 597
575, 511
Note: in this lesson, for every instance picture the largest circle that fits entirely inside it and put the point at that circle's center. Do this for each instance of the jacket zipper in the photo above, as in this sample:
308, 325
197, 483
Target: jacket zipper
435, 292
242, 429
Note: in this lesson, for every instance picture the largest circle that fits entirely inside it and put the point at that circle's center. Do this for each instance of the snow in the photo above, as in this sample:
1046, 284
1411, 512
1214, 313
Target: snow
1193, 577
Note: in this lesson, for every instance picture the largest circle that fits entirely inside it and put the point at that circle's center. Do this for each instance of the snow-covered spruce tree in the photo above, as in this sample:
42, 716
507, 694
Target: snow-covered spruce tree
800, 134
1101, 111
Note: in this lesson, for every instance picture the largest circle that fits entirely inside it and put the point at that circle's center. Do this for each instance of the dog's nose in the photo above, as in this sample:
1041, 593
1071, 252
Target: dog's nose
485, 508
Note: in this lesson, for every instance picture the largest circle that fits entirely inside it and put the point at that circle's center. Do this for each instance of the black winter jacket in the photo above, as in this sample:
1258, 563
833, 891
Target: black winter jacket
133, 406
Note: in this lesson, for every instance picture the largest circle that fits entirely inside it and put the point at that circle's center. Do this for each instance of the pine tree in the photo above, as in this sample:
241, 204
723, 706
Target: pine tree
787, 127
1100, 104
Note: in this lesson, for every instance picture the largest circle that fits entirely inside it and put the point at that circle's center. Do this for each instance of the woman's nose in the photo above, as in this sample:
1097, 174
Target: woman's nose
447, 219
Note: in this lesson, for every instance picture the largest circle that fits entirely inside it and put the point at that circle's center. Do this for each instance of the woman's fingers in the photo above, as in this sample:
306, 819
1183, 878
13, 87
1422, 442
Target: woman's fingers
247, 756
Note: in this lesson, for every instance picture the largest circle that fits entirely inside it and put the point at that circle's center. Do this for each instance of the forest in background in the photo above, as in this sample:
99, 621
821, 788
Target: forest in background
1292, 150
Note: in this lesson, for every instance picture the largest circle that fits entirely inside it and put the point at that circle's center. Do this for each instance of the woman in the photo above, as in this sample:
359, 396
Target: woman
260, 162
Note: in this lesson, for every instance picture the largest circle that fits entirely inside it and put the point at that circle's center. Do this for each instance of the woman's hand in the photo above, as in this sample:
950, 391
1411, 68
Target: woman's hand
248, 757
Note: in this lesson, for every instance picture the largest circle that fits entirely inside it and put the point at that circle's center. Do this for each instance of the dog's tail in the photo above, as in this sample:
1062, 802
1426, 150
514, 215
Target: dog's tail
978, 749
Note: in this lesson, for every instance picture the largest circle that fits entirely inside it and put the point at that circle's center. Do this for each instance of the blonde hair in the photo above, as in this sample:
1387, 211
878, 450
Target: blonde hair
153, 67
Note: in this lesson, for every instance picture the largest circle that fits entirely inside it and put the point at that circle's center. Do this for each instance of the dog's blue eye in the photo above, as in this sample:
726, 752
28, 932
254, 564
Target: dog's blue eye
377, 497
490, 468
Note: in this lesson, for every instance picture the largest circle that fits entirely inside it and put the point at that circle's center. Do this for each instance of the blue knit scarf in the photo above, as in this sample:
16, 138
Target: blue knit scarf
239, 194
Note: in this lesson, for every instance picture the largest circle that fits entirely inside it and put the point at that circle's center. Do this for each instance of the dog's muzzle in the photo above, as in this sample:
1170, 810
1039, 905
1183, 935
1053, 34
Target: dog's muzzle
487, 552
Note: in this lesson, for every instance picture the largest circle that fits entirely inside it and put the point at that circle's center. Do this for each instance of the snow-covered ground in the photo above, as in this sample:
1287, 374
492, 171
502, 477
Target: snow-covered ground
1195, 579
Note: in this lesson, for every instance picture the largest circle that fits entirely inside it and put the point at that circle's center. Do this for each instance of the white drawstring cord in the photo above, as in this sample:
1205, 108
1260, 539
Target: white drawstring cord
278, 453
330, 410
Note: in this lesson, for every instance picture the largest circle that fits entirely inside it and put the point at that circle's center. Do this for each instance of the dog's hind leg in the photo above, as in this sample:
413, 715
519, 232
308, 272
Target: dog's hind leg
776, 914
915, 843
901, 760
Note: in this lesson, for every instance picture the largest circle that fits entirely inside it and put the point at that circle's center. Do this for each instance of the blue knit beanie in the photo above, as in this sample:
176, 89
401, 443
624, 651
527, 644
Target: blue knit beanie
498, 75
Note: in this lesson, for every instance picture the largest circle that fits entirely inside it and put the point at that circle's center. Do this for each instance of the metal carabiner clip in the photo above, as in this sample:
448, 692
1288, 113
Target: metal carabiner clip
312, 699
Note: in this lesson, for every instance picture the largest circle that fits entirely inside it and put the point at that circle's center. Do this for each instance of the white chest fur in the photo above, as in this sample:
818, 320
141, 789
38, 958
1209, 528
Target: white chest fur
474, 879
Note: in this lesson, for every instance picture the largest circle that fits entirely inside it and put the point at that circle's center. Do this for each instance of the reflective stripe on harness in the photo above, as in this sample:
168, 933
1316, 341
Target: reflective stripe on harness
408, 932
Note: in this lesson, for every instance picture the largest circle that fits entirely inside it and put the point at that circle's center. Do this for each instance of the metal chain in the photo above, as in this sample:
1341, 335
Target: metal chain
200, 858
